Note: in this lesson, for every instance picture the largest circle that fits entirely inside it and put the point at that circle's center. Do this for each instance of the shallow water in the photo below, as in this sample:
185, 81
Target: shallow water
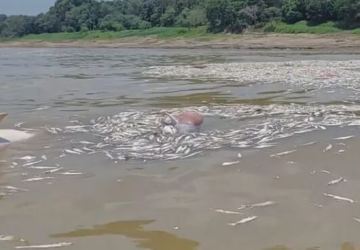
274, 166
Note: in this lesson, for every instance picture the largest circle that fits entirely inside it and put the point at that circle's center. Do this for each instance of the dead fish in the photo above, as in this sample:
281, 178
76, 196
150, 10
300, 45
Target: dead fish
226, 211
325, 171
53, 170
243, 221
225, 164
37, 179
328, 147
283, 153
7, 237
356, 219
309, 143
27, 158
263, 204
31, 163
18, 125
53, 130
15, 189
336, 197
265, 146
71, 173
41, 167
87, 142
336, 181
78, 150
344, 137
72, 152
109, 155
55, 245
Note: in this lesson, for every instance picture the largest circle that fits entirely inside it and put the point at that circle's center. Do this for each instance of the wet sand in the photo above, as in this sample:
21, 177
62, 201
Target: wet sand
327, 42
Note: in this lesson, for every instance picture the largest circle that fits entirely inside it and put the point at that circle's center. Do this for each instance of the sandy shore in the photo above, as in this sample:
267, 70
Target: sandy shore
326, 42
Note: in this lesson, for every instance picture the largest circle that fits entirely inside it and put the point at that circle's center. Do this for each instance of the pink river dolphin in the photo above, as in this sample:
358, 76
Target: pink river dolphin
7, 136
184, 122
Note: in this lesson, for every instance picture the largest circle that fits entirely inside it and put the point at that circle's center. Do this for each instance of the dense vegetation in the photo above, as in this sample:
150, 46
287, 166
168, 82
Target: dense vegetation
218, 15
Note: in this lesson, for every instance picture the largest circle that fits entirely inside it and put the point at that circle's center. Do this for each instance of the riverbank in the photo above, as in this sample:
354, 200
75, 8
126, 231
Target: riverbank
189, 38
247, 41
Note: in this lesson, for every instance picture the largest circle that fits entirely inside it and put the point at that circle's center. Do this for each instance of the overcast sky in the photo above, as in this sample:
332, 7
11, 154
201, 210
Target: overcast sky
25, 7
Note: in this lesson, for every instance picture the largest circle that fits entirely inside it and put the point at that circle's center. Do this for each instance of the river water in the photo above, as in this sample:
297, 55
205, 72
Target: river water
273, 167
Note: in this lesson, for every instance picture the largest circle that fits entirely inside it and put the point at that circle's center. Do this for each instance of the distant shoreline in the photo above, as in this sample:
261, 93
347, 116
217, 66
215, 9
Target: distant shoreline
335, 41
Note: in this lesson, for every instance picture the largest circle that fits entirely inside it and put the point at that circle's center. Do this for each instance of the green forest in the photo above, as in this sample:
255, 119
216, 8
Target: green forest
231, 16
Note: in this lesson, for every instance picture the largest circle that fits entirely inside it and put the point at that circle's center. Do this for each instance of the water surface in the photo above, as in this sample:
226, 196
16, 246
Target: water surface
99, 173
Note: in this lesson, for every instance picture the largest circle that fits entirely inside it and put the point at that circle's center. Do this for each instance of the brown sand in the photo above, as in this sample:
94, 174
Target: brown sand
341, 42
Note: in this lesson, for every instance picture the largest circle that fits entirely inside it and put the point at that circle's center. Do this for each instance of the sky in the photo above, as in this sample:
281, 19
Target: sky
24, 7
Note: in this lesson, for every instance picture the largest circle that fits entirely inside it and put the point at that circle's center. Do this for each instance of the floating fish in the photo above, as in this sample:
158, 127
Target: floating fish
226, 211
336, 181
55, 245
283, 153
225, 164
328, 147
344, 137
37, 179
71, 173
69, 151
356, 219
336, 197
243, 221
263, 204
7, 237
138, 134
31, 163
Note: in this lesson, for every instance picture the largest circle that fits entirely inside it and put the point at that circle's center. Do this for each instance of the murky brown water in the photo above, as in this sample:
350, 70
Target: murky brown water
294, 186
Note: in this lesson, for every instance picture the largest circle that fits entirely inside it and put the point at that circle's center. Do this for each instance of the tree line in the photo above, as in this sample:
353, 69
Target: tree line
218, 15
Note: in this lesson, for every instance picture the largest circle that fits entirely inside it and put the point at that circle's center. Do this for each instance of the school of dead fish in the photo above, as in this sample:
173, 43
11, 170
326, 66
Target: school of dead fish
306, 73
140, 135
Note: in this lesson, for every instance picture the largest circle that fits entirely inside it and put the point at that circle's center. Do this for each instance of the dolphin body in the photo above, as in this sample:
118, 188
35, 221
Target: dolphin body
7, 136
185, 122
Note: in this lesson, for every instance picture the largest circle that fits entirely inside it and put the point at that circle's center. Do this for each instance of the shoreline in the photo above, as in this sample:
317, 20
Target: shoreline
348, 42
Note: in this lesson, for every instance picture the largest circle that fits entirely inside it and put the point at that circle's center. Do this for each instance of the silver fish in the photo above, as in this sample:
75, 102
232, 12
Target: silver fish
243, 221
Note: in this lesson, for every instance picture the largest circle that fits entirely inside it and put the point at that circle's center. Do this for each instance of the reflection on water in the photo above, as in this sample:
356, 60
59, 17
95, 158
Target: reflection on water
148, 239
